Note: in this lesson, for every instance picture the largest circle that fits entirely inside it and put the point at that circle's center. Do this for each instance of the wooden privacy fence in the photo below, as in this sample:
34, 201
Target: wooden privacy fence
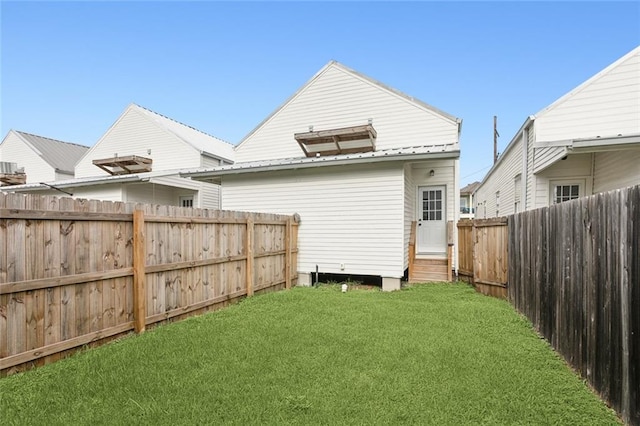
77, 272
574, 271
482, 254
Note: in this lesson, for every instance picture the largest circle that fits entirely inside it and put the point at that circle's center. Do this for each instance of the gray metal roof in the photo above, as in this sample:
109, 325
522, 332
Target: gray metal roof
92, 181
397, 92
394, 154
62, 156
198, 139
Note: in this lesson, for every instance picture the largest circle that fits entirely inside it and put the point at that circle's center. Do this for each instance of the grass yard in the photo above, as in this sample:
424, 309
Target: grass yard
429, 354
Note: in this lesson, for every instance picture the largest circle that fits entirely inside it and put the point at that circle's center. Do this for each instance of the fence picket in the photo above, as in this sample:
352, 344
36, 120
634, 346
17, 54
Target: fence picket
586, 279
66, 270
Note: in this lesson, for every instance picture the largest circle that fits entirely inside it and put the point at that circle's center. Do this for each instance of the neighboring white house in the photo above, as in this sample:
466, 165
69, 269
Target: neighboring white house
586, 142
358, 161
137, 160
467, 210
38, 159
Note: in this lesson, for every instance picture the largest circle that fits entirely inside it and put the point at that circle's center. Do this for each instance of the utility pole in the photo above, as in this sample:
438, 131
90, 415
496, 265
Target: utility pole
495, 139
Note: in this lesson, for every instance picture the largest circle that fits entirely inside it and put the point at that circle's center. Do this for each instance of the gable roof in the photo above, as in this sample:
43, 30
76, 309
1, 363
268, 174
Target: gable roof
532, 118
201, 141
362, 77
60, 155
469, 189
588, 82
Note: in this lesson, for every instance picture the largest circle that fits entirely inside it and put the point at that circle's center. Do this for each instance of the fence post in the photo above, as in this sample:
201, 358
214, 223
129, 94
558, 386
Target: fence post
412, 248
450, 244
474, 253
139, 299
287, 256
626, 329
249, 252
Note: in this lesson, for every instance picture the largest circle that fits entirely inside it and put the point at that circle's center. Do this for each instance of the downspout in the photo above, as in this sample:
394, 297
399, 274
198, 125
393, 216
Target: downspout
456, 213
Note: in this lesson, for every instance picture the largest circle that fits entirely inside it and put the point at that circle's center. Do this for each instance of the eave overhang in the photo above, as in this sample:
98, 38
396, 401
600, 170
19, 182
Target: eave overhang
405, 154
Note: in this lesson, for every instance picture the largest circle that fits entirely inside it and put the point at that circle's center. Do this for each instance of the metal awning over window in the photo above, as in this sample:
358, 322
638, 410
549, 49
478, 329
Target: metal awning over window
124, 165
12, 179
346, 140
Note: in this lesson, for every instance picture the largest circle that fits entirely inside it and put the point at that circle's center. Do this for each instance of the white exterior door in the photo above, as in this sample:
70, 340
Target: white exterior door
432, 220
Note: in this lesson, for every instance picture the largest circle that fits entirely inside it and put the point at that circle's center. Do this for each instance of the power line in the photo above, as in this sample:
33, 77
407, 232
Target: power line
477, 171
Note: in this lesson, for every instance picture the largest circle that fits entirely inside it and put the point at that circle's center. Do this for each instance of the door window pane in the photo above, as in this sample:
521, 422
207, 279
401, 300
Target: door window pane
432, 205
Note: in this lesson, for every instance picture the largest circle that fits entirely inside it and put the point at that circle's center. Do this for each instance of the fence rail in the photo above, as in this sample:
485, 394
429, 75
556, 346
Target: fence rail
75, 272
575, 273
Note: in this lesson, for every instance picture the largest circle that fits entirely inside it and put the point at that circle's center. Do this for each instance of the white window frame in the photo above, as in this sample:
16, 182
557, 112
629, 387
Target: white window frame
553, 184
184, 198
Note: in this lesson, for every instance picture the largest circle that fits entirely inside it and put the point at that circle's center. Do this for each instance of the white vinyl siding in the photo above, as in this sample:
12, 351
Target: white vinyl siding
63, 176
151, 193
209, 162
106, 192
210, 196
444, 172
14, 150
575, 167
135, 134
617, 169
517, 194
606, 105
409, 210
337, 98
500, 181
351, 215
545, 157
205, 195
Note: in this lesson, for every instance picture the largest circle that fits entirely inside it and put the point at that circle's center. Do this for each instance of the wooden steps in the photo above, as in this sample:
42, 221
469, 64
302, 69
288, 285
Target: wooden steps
426, 270
423, 270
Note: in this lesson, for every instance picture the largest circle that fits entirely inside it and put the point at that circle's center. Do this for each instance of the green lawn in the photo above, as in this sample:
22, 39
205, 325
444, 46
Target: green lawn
430, 354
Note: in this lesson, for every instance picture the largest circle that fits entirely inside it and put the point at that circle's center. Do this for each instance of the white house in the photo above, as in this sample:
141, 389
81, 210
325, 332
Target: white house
586, 142
466, 200
38, 159
137, 160
359, 162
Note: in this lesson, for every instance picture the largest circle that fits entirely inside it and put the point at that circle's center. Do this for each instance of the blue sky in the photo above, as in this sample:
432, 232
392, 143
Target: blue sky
69, 69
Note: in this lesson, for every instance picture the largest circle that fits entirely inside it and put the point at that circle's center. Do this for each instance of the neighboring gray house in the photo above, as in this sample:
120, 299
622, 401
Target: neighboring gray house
39, 159
137, 160
359, 162
586, 142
